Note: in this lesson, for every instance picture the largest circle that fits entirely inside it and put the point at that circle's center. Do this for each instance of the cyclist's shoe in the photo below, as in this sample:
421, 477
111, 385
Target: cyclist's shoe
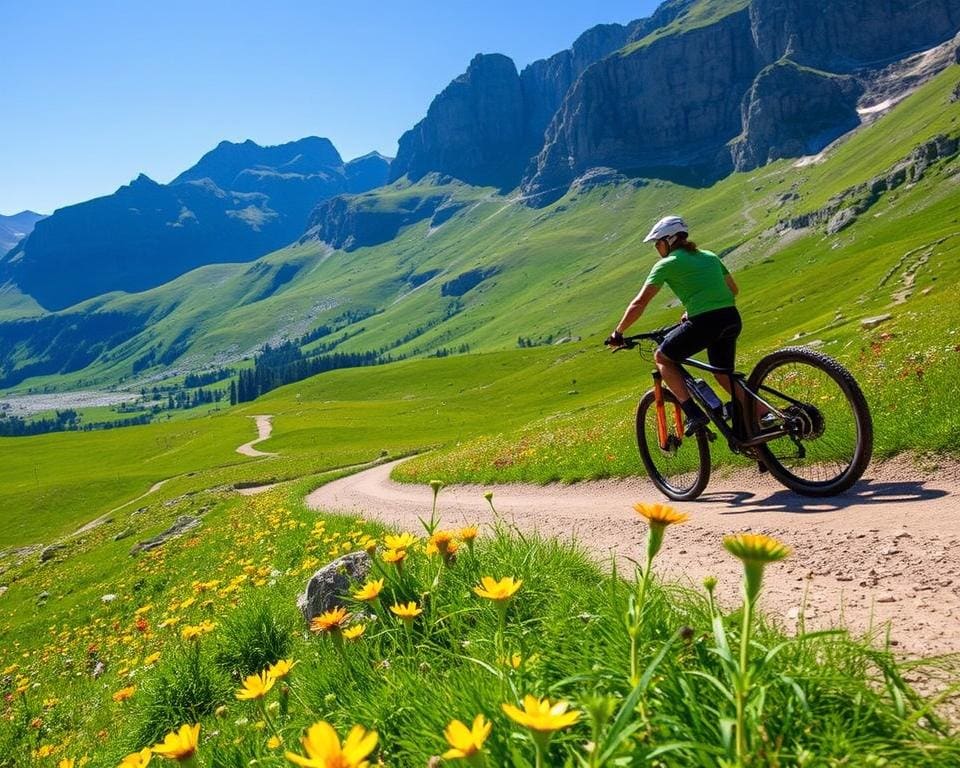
695, 424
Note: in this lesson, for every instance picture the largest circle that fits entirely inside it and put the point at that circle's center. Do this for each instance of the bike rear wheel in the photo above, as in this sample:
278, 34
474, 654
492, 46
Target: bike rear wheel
832, 432
682, 472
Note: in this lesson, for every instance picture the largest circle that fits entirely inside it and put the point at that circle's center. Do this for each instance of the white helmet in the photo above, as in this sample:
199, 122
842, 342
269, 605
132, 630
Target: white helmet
667, 226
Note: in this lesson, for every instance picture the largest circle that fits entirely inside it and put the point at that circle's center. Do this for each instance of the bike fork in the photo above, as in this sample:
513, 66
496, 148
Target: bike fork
662, 432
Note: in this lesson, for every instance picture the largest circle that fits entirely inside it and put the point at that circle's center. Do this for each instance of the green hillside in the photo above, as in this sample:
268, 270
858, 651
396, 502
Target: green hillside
561, 272
564, 270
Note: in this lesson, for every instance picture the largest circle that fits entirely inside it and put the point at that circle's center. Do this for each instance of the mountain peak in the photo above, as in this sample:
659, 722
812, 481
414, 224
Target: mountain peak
225, 162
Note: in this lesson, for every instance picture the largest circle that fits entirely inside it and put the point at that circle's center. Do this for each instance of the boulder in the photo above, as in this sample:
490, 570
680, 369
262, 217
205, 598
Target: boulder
180, 526
326, 587
872, 322
49, 551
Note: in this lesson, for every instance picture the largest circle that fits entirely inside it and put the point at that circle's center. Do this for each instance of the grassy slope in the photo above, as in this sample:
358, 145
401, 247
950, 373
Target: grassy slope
568, 268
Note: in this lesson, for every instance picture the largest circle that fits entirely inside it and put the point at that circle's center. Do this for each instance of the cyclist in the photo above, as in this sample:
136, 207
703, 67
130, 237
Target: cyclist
711, 320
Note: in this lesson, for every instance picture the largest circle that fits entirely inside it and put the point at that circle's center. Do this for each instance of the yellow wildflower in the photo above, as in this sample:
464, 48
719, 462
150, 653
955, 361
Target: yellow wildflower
469, 533
354, 632
660, 514
407, 612
403, 541
67, 762
498, 591
255, 686
324, 750
179, 745
755, 550
369, 591
139, 759
540, 715
394, 556
331, 621
152, 659
465, 742
281, 668
274, 742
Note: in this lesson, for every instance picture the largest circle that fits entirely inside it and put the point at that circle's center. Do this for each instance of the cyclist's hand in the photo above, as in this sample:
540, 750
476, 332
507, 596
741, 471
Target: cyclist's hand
614, 340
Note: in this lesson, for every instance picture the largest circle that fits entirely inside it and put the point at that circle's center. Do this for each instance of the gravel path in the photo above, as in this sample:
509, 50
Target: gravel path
887, 552
264, 429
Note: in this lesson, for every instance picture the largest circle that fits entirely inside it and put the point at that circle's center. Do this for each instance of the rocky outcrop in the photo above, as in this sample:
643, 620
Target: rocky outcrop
473, 130
791, 111
776, 78
182, 525
844, 209
847, 36
673, 102
349, 222
239, 202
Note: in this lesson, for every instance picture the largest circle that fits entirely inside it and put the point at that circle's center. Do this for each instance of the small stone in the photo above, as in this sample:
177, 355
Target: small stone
887, 599
49, 551
108, 598
873, 322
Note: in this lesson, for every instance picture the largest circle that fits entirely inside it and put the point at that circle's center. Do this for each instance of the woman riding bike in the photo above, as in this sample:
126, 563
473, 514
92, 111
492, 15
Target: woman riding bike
711, 320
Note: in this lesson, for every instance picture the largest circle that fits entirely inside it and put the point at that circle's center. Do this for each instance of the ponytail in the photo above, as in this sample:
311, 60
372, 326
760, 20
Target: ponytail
687, 245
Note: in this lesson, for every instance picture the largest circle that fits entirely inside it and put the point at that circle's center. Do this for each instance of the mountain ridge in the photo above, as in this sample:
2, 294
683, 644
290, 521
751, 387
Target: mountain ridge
240, 201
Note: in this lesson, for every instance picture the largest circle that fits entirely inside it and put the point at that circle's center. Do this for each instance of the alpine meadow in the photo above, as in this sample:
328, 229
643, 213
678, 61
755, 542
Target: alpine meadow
323, 462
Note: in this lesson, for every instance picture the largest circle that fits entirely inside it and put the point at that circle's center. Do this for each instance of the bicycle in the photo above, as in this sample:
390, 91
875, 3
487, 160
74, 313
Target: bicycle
800, 415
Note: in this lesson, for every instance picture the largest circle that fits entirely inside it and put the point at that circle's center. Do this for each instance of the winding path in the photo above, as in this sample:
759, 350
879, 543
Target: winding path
887, 551
264, 430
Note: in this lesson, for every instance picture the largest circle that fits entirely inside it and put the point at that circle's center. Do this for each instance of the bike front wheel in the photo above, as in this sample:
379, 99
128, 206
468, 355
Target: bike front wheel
681, 470
830, 438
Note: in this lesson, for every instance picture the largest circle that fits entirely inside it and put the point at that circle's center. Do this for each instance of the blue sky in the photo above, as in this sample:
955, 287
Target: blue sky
94, 93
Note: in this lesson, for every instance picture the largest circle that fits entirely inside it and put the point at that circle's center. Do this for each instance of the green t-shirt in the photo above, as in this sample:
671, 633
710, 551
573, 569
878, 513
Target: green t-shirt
696, 277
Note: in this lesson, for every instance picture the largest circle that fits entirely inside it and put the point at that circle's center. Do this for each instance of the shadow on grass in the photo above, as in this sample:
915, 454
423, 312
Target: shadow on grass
866, 492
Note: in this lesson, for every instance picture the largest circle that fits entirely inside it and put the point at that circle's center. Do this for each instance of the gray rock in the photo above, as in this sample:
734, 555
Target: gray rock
326, 587
841, 220
180, 526
872, 322
791, 111
49, 551
125, 533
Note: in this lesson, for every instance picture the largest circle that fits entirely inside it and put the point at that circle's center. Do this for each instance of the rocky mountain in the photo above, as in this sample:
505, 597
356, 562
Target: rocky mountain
699, 89
764, 80
238, 202
14, 228
485, 126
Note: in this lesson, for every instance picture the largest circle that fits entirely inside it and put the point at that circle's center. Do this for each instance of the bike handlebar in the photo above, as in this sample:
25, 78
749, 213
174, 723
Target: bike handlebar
658, 336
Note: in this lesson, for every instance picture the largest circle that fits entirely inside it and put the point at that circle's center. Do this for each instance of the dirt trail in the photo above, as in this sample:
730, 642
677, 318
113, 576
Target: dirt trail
887, 551
264, 429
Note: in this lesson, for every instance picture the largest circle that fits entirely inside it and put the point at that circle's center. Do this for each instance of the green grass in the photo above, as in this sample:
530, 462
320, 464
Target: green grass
811, 700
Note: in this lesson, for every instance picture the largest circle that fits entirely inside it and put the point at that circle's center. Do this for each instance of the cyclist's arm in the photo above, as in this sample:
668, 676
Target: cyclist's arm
732, 284
637, 306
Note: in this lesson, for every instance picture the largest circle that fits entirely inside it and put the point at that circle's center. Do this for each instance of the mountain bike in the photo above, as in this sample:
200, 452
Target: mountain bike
800, 415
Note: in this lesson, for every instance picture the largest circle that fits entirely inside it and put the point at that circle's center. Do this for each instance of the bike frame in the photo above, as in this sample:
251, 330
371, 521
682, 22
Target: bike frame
735, 435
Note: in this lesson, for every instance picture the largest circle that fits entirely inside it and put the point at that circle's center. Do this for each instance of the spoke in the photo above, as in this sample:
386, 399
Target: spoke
804, 391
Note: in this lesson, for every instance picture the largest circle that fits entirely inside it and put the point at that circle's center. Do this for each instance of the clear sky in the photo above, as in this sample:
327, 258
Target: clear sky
93, 93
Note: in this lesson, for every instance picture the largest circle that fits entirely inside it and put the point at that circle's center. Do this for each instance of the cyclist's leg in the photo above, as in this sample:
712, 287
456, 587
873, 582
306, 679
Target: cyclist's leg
722, 349
682, 342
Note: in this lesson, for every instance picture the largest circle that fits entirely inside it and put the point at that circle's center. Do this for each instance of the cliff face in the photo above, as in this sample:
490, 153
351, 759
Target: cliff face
666, 104
791, 111
846, 35
776, 78
473, 129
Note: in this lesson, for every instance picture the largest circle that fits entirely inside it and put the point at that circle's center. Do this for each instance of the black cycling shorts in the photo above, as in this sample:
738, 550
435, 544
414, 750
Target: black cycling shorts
715, 331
